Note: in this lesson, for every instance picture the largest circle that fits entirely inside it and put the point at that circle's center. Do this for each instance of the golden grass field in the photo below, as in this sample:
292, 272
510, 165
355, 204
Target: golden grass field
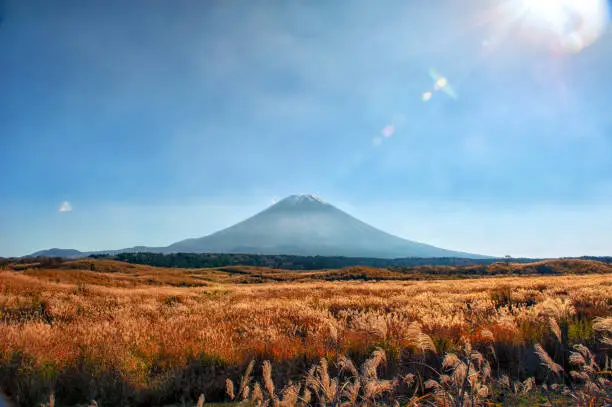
126, 334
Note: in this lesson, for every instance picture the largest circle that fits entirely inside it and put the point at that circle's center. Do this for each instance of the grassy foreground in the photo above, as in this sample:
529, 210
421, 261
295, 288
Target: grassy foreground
136, 335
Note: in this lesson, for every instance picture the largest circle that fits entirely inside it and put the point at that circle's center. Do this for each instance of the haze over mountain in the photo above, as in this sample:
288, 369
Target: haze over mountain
306, 225
297, 225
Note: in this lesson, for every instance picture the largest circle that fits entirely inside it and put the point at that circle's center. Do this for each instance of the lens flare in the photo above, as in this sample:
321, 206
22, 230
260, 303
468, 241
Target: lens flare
426, 96
441, 83
388, 131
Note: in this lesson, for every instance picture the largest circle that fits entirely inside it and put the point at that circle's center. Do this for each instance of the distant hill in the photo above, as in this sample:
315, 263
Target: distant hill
302, 225
66, 253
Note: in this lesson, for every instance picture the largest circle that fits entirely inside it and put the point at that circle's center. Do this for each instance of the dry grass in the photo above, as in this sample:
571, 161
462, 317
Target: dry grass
138, 335
465, 379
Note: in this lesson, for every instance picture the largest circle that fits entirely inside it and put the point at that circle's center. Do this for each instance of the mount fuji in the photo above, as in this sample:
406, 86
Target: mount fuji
300, 225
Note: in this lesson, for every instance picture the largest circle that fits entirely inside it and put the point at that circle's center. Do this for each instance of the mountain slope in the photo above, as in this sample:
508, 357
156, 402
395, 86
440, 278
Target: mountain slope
305, 225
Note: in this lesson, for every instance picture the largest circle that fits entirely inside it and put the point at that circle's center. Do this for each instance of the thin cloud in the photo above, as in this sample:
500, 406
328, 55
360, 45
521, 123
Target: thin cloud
65, 207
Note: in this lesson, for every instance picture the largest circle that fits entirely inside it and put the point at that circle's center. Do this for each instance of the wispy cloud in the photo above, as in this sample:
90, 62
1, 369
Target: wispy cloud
65, 207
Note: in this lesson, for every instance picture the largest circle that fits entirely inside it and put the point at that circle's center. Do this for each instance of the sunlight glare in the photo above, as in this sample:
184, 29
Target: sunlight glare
575, 24
547, 11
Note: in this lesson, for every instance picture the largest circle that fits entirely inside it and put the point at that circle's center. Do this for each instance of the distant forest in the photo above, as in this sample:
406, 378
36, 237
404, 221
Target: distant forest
287, 262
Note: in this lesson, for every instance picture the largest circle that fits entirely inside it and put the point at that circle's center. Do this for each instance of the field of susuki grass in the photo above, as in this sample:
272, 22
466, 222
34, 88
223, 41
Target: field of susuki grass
124, 334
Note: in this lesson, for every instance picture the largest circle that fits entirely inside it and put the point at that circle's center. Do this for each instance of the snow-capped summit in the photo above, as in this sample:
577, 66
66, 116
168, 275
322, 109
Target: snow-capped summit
301, 200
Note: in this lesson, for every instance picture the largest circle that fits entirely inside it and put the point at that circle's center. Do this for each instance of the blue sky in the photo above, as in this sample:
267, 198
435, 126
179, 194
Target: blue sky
148, 122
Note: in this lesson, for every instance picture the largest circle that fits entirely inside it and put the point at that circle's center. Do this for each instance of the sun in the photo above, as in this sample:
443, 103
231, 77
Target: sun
576, 24
552, 12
